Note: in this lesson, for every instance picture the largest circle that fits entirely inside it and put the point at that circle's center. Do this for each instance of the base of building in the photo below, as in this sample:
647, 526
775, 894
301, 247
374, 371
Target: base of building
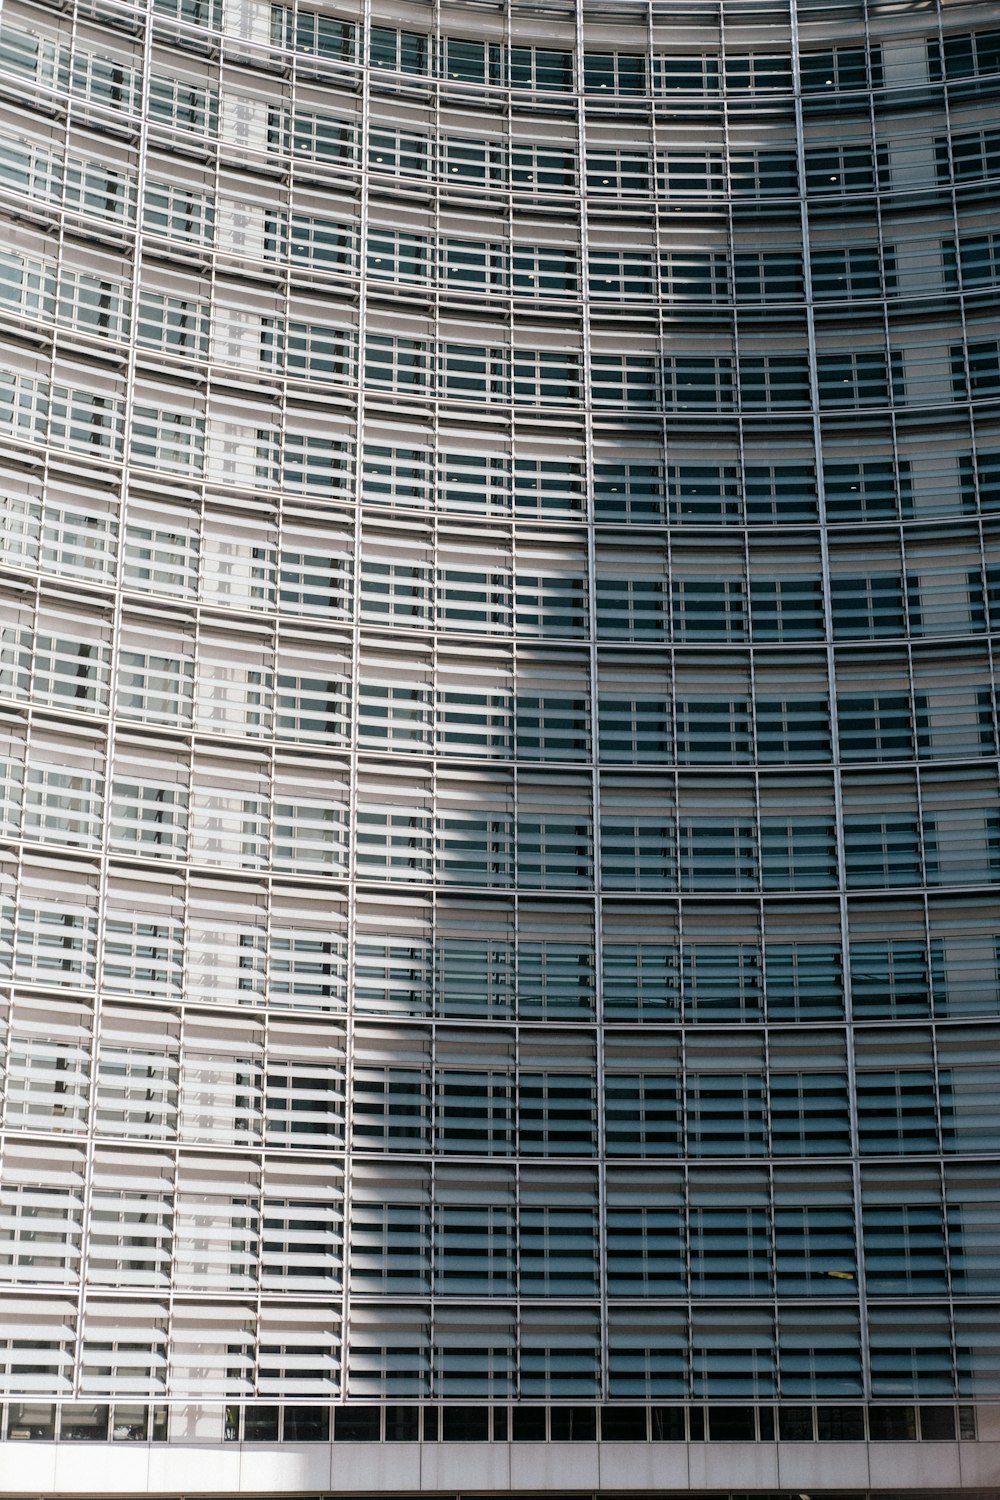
717, 1471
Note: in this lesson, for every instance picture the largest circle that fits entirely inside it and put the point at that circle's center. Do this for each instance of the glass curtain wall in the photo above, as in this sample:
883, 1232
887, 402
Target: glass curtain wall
500, 809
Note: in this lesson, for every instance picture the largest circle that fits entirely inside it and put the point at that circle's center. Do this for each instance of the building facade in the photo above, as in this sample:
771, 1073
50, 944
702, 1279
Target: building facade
501, 833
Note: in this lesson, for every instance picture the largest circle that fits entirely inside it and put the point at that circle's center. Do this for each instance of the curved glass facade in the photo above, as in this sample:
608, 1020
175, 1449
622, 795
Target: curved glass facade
500, 807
